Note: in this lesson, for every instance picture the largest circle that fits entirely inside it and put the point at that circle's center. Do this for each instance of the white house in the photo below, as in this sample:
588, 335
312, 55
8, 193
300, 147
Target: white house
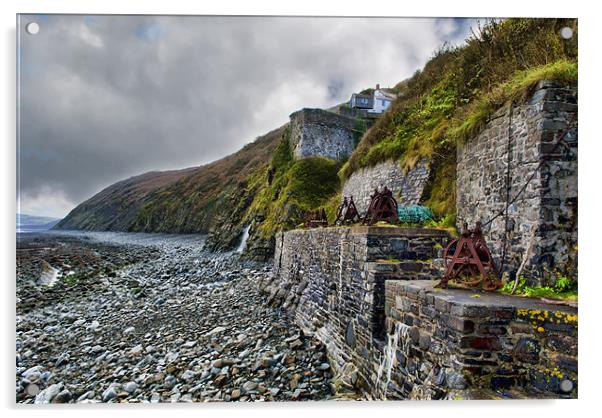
377, 102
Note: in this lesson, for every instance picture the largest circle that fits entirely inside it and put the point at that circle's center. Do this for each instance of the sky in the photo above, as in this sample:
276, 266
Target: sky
104, 98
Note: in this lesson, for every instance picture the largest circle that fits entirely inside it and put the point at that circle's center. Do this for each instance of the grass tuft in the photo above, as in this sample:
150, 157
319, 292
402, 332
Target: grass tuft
452, 98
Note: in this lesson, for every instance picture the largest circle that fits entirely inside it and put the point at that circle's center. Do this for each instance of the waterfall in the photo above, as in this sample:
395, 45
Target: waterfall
243, 239
388, 357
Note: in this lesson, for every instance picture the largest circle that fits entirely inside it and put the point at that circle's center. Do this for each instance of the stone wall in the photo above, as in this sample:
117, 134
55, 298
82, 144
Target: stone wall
407, 188
320, 133
331, 280
449, 344
508, 152
367, 293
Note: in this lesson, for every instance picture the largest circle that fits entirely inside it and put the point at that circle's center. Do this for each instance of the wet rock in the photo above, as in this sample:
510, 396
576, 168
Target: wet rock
130, 387
188, 375
62, 360
323, 366
215, 331
63, 396
249, 386
213, 338
109, 393
296, 344
220, 380
46, 395
136, 350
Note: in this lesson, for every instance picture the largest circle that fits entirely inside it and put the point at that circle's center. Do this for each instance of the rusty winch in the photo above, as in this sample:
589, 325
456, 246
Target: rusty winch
468, 261
383, 207
315, 218
347, 212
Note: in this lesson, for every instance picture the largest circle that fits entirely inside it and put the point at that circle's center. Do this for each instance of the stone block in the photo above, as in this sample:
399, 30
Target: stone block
480, 342
350, 335
527, 350
463, 325
403, 304
442, 305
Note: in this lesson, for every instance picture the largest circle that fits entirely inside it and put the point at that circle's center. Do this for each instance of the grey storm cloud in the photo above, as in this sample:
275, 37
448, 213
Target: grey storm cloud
102, 98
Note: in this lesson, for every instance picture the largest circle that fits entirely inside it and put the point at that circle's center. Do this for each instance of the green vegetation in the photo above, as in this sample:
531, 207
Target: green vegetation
450, 100
437, 109
564, 288
514, 91
296, 187
210, 195
388, 260
359, 129
447, 223
331, 207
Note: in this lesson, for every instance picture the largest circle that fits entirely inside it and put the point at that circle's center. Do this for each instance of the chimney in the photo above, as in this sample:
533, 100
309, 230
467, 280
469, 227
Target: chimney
378, 87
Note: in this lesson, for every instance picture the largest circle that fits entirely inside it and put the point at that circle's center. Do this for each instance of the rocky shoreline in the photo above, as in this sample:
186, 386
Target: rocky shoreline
152, 318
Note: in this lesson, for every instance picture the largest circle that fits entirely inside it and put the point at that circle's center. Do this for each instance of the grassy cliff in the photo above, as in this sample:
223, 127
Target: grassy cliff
181, 201
283, 192
450, 99
262, 185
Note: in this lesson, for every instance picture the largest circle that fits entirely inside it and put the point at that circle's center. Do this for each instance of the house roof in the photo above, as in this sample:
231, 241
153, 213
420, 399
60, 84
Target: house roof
387, 93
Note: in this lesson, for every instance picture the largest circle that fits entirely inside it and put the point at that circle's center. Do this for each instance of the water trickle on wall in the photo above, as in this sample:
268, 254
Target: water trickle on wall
388, 358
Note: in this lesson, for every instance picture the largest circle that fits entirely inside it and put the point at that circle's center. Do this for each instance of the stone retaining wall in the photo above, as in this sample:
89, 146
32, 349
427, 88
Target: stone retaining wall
523, 136
367, 293
450, 344
407, 187
320, 133
331, 280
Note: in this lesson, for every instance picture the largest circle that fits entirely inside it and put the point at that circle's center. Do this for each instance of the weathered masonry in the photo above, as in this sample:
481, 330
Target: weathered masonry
367, 293
449, 344
407, 187
320, 133
532, 146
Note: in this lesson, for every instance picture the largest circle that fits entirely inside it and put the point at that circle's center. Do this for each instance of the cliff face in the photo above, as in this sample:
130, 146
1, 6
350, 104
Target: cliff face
270, 184
181, 201
115, 207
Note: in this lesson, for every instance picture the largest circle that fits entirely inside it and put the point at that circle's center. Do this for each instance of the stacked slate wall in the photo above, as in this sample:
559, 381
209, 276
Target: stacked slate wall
407, 188
320, 133
331, 280
368, 294
517, 150
450, 344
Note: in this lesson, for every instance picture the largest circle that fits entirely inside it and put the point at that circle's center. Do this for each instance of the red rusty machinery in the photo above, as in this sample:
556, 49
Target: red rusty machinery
468, 261
383, 207
347, 212
315, 218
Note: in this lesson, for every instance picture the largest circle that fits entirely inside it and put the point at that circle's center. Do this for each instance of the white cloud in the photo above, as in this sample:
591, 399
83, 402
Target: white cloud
89, 37
107, 97
48, 201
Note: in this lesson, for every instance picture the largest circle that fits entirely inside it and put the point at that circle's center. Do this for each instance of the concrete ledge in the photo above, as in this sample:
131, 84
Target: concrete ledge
464, 302
381, 230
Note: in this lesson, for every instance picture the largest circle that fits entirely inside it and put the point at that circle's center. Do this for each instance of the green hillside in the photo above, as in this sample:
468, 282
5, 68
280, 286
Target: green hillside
451, 98
445, 103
